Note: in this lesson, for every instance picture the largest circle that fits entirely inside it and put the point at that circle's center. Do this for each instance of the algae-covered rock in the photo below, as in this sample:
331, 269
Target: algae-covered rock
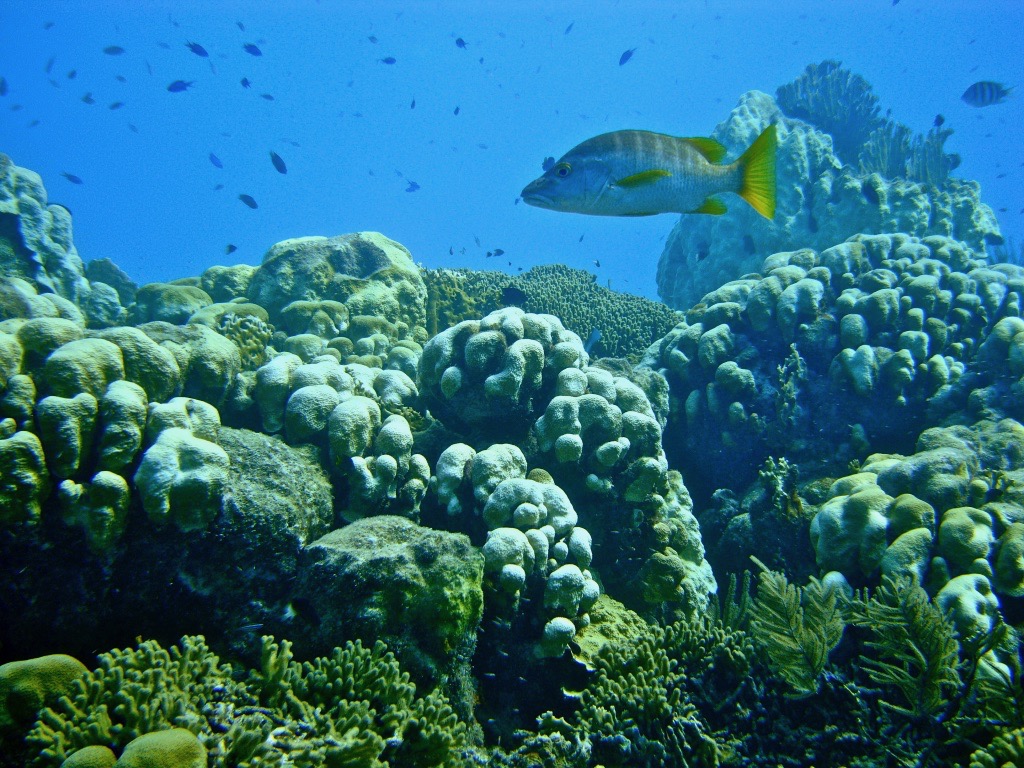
167, 302
367, 272
385, 577
227, 283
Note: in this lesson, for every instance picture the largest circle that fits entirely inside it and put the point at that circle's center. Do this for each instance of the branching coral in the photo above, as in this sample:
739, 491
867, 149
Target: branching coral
356, 708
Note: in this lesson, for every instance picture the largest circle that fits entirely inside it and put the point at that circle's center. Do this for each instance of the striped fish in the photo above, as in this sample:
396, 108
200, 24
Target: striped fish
985, 93
639, 173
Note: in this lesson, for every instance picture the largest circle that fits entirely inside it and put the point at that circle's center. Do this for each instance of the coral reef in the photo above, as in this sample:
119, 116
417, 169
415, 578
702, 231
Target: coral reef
182, 707
822, 200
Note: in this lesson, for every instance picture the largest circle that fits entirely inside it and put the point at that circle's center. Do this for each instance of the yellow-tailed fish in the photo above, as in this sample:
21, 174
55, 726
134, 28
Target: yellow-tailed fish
639, 173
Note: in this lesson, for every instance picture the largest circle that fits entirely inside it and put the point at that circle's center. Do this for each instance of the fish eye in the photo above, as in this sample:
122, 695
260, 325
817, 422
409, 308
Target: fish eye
562, 170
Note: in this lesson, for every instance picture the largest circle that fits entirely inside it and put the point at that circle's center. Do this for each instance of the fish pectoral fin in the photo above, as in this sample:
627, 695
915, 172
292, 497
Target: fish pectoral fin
712, 150
644, 177
711, 205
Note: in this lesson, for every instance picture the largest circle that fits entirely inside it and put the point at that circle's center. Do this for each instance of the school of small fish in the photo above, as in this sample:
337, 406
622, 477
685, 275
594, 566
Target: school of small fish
622, 173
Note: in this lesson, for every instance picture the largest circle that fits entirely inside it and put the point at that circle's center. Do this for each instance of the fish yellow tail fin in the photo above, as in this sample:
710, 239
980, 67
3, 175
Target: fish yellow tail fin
758, 168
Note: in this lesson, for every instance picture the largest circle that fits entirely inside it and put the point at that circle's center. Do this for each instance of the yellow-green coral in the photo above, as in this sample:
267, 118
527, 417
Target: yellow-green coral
250, 334
797, 628
356, 708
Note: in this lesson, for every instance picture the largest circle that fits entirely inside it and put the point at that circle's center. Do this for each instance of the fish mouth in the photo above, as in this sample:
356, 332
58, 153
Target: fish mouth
537, 199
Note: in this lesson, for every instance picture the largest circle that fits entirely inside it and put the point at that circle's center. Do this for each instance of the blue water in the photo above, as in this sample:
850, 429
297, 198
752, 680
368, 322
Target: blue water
525, 88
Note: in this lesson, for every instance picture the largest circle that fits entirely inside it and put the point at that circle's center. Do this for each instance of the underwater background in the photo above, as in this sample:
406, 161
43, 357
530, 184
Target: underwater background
320, 446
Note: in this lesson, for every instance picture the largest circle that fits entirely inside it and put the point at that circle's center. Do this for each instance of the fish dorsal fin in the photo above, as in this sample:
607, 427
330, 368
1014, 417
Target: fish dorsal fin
710, 148
644, 177
711, 205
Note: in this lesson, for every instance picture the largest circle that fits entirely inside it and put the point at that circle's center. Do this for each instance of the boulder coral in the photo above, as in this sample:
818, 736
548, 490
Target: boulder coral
822, 201
181, 480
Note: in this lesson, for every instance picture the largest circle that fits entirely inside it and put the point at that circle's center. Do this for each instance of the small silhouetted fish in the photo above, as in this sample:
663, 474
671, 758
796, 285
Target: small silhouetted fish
121, 78
245, 82
197, 49
241, 26
33, 124
512, 296
413, 186
165, 46
413, 105
748, 244
985, 93
49, 64
460, 42
1000, 175
703, 250
231, 248
592, 339
267, 96
113, 50
939, 120
547, 164
372, 39
216, 161
278, 162
71, 177
249, 627
488, 255
132, 128
116, 105
180, 85
569, 28
482, 145
476, 240
451, 250
626, 56
388, 60
248, 200
72, 74
252, 49
499, 252
88, 99
301, 608
3, 86
16, 107
581, 239
597, 263
48, 25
